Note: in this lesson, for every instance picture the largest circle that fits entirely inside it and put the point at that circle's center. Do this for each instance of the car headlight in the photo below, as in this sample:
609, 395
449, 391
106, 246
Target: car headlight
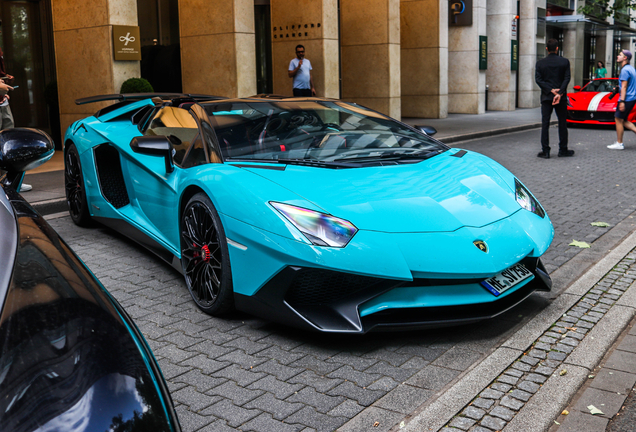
569, 100
526, 200
320, 229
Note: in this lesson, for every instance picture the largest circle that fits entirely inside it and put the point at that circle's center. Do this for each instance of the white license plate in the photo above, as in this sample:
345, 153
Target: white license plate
506, 279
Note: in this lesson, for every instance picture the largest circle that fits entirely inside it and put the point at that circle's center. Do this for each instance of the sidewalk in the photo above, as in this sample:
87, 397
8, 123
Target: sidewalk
526, 383
462, 127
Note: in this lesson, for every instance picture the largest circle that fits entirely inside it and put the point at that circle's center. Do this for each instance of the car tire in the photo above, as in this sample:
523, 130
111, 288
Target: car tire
75, 190
205, 257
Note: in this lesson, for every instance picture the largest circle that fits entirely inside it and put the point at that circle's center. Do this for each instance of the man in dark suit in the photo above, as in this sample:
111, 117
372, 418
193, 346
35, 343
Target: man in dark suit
553, 76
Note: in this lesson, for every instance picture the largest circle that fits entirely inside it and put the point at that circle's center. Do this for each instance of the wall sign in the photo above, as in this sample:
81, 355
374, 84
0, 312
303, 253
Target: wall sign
460, 12
294, 30
126, 43
483, 52
514, 55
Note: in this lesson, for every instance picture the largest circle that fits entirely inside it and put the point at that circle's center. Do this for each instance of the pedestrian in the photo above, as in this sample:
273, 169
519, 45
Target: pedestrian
6, 116
552, 75
300, 71
626, 100
600, 70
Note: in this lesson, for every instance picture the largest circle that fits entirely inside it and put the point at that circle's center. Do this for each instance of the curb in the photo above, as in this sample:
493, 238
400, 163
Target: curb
48, 207
475, 135
547, 403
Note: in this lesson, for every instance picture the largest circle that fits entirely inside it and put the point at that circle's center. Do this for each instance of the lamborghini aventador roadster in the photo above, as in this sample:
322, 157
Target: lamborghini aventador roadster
312, 212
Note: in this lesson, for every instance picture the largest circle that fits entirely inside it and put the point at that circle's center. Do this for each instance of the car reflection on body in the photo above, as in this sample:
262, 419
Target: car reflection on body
71, 359
313, 212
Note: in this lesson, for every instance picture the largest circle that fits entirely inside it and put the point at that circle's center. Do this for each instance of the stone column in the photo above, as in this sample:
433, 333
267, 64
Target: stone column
218, 51
609, 53
573, 50
313, 24
424, 58
529, 93
500, 79
370, 53
466, 83
82, 34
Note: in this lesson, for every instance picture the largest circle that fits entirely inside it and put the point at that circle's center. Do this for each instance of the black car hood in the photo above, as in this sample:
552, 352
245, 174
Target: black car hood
70, 357
8, 243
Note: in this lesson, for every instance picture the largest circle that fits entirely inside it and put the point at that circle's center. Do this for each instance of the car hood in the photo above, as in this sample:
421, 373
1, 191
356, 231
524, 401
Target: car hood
69, 354
593, 101
440, 194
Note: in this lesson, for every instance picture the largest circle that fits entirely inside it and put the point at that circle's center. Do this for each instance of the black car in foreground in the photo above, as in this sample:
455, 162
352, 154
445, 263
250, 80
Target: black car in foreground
71, 359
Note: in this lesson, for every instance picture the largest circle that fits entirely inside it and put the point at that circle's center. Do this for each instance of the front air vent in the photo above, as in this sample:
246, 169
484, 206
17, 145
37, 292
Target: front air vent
315, 287
110, 176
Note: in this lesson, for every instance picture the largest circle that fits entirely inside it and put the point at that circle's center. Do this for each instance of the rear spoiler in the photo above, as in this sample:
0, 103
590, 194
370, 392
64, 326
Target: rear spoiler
140, 96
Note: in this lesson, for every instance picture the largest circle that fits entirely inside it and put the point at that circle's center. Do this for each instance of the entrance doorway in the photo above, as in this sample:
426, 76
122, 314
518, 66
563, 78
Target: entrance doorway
27, 42
160, 47
262, 29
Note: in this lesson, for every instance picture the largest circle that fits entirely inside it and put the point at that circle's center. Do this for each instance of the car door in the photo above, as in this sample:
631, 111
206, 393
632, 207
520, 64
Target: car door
154, 195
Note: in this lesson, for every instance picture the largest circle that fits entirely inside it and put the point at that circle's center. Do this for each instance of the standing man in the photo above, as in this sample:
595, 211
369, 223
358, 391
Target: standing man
627, 88
300, 71
6, 116
553, 76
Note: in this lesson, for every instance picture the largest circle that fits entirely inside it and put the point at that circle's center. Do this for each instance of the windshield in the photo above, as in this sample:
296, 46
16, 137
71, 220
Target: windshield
601, 86
322, 131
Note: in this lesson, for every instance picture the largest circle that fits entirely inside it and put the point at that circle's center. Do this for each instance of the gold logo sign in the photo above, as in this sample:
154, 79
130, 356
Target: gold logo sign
126, 43
481, 245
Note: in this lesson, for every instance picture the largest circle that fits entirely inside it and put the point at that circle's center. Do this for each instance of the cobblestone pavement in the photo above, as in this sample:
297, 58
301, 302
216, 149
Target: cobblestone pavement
497, 405
248, 374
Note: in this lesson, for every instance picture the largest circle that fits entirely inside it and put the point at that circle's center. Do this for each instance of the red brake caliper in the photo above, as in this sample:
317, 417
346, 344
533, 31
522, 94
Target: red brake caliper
205, 253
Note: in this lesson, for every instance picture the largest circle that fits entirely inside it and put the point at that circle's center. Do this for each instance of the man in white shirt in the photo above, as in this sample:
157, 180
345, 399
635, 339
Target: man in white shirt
300, 71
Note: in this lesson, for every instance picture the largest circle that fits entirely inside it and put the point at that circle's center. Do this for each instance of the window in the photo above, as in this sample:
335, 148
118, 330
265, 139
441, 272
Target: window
178, 126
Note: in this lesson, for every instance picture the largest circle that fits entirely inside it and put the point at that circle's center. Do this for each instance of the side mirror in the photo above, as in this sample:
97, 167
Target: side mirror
577, 88
154, 146
22, 149
428, 130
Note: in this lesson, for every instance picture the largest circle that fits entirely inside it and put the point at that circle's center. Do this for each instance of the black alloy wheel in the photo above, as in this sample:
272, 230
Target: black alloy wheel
74, 185
205, 257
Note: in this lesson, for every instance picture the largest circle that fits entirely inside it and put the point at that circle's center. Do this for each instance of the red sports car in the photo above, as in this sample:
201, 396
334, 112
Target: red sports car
595, 103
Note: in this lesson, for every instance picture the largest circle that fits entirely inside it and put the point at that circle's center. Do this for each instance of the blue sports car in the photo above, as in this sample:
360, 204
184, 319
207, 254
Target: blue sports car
313, 212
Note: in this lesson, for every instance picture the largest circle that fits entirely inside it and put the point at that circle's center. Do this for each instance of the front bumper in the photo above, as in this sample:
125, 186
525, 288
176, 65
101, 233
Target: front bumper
329, 301
385, 279
590, 117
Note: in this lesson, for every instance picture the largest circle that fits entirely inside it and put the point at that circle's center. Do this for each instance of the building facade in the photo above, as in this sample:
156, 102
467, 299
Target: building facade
405, 58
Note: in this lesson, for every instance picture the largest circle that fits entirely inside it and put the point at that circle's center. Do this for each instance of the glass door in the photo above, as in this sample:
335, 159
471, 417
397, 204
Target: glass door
28, 56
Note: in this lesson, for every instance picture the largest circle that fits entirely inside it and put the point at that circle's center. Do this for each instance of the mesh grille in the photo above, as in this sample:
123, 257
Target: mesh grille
111, 179
313, 286
588, 115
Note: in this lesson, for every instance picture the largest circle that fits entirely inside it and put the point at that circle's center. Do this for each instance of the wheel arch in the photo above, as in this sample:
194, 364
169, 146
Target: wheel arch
67, 143
188, 193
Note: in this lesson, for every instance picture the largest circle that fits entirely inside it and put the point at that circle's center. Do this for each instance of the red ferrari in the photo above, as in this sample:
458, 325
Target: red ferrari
592, 104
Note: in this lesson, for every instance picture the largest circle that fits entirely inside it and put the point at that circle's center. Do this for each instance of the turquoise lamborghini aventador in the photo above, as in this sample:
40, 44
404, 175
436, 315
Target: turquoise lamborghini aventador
313, 212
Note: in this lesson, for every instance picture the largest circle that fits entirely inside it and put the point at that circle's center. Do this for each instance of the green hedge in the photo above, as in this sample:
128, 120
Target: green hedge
136, 85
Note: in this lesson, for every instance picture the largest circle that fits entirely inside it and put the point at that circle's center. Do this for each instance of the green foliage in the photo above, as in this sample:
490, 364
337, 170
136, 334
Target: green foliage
136, 85
602, 9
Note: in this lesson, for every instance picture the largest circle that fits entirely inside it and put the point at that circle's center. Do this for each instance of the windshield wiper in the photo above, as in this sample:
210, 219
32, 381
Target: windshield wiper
302, 162
394, 155
316, 162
